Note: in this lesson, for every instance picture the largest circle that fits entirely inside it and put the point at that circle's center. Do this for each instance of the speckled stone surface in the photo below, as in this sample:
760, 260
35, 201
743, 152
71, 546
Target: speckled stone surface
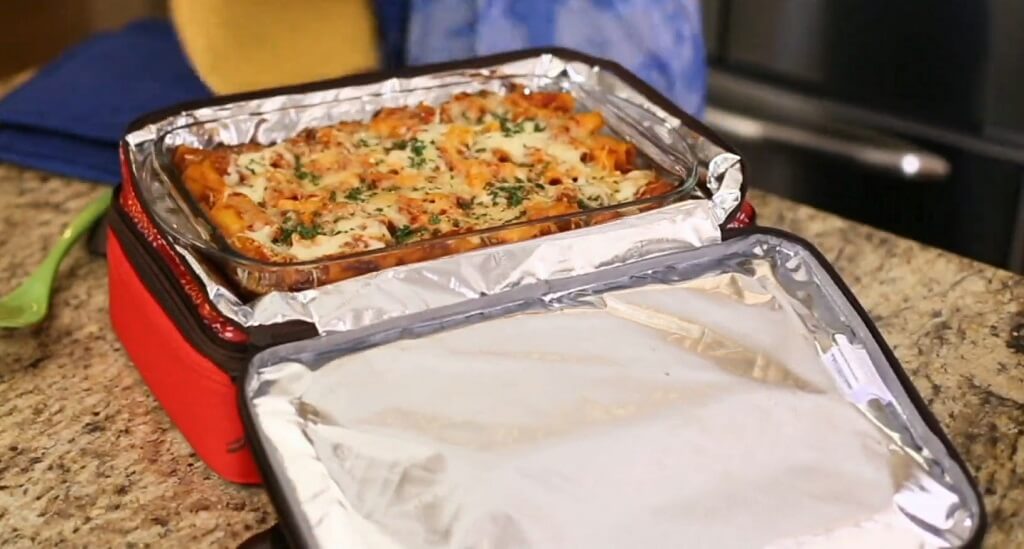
86, 455
88, 458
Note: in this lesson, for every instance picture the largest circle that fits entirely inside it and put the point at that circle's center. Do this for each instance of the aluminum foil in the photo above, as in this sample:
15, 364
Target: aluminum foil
727, 395
659, 133
411, 288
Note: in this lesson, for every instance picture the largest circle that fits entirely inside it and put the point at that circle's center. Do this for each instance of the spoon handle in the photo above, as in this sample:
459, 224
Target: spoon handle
78, 226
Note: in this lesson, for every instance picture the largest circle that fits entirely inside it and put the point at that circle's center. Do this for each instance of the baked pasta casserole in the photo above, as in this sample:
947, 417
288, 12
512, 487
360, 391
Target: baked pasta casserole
410, 174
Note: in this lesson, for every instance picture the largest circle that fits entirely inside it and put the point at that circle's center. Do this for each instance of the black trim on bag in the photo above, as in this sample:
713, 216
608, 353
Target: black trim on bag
161, 281
288, 517
158, 278
897, 368
633, 80
267, 336
271, 538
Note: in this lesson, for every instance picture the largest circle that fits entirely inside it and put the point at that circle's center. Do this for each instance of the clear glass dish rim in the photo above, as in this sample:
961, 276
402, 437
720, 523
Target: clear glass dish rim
227, 253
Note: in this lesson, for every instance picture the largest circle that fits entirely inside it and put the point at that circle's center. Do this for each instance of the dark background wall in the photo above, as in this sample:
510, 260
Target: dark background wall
36, 31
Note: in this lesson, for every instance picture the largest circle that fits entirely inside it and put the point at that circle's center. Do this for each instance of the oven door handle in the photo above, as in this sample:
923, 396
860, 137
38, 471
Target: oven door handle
866, 148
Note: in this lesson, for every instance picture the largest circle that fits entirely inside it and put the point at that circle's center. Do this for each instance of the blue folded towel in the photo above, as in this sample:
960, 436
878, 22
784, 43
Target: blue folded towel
69, 118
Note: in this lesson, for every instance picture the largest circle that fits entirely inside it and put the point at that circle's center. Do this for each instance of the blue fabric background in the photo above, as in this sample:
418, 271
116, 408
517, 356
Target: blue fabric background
659, 40
70, 116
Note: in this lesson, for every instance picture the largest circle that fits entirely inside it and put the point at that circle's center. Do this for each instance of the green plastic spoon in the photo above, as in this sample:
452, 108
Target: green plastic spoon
28, 303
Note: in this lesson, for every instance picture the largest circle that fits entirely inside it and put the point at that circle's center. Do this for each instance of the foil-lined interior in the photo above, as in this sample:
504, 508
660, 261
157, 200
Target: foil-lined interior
668, 139
408, 289
727, 395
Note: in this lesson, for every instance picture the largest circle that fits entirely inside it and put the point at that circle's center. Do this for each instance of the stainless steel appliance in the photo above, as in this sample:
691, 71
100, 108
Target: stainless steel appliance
906, 115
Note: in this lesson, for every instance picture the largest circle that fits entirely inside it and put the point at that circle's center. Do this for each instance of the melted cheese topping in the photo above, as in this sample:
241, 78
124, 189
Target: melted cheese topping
254, 188
349, 235
415, 173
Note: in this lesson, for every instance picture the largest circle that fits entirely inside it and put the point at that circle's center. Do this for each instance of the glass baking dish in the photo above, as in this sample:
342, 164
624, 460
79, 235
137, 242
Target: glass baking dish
660, 147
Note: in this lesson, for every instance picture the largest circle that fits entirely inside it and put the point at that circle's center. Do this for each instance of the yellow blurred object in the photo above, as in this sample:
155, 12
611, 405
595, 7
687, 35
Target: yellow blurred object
242, 45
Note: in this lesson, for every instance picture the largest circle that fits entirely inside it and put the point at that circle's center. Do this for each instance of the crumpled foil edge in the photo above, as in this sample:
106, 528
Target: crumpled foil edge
932, 494
721, 172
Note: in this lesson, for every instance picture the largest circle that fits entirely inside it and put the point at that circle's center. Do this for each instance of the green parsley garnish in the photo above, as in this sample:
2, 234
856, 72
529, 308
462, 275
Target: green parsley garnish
435, 219
405, 233
416, 147
308, 231
538, 127
509, 128
582, 205
399, 145
303, 174
538, 186
513, 194
355, 194
304, 231
362, 142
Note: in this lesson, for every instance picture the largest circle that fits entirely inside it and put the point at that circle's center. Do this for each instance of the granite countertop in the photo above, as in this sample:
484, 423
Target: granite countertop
88, 457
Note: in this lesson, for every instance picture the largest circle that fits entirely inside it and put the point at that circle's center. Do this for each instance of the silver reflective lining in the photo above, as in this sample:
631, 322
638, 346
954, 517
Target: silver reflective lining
408, 289
727, 396
270, 119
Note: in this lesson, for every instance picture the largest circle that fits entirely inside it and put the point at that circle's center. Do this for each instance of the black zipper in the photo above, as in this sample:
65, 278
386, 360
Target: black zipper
230, 357
287, 517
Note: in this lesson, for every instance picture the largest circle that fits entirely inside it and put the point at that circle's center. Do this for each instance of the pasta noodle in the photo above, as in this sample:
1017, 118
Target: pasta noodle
412, 174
